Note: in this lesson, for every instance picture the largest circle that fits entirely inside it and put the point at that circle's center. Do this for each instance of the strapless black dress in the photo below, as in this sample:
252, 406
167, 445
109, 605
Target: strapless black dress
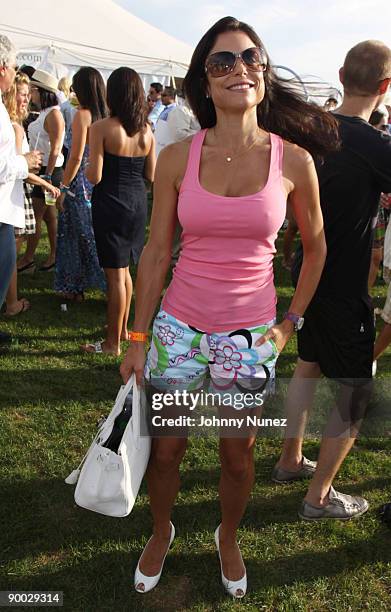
119, 211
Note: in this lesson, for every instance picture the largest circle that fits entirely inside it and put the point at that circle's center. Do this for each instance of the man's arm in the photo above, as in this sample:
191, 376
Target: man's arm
12, 166
381, 162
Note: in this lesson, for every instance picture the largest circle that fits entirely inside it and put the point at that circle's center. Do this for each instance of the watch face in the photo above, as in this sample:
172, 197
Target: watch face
300, 323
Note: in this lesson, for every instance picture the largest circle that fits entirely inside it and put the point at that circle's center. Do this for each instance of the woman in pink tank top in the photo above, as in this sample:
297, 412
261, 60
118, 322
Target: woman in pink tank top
228, 185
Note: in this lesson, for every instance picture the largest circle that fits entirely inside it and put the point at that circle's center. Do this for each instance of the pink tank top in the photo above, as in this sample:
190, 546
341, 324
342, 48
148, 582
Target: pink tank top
224, 277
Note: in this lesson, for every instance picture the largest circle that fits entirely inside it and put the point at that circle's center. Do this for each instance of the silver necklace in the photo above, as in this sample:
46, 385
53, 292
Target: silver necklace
229, 158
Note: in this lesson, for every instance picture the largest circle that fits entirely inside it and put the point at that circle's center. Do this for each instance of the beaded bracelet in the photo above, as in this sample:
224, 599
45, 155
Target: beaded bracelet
67, 190
138, 336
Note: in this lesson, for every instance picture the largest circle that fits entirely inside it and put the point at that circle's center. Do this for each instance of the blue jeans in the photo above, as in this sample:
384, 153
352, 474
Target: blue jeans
7, 258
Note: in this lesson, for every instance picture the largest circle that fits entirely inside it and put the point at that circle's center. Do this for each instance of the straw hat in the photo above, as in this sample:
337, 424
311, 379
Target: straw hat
43, 79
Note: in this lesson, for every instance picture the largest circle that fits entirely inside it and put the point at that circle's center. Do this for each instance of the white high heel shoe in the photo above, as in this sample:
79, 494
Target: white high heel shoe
231, 586
150, 582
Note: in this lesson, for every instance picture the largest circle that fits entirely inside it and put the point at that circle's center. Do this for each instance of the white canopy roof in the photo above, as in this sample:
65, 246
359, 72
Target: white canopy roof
96, 33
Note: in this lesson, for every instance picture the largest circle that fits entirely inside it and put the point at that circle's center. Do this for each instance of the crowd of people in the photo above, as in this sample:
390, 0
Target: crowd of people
239, 156
90, 246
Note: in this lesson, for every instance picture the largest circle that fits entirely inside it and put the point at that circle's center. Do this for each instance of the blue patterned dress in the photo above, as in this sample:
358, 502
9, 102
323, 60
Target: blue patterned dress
77, 266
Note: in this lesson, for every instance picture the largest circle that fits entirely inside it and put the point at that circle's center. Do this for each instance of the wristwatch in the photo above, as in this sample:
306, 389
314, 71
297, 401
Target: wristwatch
296, 319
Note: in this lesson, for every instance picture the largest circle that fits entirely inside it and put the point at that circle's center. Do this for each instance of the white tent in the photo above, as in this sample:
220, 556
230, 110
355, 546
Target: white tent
310, 87
64, 36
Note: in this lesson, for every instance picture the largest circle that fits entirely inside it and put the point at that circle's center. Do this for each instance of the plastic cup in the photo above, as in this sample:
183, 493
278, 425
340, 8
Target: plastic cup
50, 200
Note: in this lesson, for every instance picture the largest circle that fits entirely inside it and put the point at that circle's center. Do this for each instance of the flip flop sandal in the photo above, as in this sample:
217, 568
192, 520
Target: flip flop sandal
95, 348
46, 268
28, 268
25, 306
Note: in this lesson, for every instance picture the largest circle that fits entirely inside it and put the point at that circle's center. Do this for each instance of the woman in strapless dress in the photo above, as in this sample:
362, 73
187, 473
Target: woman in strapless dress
122, 156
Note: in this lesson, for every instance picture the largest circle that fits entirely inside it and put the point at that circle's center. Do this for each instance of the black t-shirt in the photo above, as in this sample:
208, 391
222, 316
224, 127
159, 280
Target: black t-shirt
351, 181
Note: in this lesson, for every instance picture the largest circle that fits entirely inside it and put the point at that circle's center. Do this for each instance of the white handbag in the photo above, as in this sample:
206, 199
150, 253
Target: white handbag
108, 481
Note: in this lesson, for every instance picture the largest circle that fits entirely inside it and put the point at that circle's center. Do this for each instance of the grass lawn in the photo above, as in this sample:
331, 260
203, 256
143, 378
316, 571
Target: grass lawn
51, 396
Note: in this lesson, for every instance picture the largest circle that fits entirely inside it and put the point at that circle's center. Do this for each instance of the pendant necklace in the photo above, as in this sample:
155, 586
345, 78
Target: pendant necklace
229, 158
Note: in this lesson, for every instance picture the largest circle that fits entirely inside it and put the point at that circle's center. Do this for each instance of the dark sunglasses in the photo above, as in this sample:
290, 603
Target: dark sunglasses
223, 62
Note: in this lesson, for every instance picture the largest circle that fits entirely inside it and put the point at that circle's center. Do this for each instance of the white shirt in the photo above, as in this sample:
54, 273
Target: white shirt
39, 138
182, 123
12, 167
162, 133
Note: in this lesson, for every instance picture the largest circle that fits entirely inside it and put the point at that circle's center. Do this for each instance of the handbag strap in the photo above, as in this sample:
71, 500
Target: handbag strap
122, 397
135, 420
131, 384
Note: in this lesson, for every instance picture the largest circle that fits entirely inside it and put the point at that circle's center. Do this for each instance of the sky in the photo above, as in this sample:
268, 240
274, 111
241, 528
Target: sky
309, 36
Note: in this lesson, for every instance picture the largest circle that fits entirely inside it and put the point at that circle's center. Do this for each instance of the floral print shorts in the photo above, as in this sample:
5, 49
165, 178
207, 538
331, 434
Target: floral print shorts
181, 356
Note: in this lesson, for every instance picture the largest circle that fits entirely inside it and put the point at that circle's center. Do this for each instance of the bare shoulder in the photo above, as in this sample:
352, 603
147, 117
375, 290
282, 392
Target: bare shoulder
99, 127
147, 133
175, 153
298, 167
18, 129
55, 113
177, 150
296, 156
83, 116
172, 161
148, 130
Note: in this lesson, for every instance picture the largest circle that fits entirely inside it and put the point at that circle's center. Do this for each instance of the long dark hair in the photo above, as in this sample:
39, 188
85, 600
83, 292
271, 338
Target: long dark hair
46, 98
126, 100
90, 90
282, 110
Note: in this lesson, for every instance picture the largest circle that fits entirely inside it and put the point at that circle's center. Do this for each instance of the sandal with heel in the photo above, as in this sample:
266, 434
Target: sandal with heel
150, 582
236, 588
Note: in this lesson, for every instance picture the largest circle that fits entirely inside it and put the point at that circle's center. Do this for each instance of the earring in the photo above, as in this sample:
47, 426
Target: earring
207, 95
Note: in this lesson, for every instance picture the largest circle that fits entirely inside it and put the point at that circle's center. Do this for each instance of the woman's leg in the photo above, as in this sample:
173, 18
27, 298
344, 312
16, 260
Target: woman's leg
163, 485
236, 482
382, 341
50, 218
129, 291
7, 257
33, 239
13, 305
384, 338
19, 242
116, 305
376, 259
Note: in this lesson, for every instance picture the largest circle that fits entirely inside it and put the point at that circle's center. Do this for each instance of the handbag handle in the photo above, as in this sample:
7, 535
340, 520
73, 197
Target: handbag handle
126, 388
132, 384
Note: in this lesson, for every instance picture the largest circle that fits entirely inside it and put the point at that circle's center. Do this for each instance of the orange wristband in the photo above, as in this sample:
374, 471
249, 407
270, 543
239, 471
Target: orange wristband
138, 336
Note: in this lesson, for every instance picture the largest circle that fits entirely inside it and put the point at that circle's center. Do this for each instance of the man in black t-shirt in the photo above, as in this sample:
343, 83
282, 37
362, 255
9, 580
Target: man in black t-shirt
338, 334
